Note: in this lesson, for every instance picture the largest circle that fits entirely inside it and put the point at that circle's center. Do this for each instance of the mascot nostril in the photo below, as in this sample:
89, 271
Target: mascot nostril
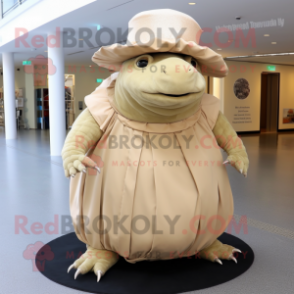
147, 123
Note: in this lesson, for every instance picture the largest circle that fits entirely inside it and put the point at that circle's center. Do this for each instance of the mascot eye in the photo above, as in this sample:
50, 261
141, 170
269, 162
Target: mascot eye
194, 63
142, 63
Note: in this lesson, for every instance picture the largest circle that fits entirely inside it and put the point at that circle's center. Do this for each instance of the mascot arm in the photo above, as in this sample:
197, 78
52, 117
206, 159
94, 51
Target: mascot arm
83, 135
228, 139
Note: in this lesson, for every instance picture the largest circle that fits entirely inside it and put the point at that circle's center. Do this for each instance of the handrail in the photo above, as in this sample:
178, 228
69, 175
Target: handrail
19, 2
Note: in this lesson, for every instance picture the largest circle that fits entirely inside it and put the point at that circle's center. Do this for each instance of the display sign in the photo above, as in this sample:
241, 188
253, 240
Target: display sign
271, 67
99, 80
241, 111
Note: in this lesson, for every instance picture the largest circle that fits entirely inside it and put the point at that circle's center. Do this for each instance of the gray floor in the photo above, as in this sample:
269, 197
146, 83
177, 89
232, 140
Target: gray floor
33, 186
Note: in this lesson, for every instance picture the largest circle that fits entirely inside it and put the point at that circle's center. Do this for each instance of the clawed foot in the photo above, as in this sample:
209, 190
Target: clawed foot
218, 251
239, 161
98, 261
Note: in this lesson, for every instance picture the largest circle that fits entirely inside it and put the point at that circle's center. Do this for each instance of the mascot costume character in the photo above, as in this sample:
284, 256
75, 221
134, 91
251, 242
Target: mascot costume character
147, 177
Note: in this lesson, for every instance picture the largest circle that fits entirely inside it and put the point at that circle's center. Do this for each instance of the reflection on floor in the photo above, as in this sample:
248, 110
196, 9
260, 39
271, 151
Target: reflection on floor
34, 189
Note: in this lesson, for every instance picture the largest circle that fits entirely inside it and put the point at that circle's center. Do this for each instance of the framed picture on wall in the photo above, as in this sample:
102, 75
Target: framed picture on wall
241, 88
288, 116
20, 102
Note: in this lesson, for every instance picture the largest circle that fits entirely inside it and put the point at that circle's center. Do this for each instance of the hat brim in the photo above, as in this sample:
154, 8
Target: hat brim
212, 64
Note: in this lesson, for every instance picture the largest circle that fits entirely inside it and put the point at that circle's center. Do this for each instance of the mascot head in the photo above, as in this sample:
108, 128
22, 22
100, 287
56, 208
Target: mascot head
161, 66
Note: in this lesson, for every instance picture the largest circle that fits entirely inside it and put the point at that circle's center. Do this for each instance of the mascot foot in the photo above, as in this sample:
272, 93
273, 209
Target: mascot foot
217, 251
98, 261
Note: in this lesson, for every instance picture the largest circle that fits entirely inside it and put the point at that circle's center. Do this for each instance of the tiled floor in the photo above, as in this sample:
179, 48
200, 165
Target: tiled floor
33, 188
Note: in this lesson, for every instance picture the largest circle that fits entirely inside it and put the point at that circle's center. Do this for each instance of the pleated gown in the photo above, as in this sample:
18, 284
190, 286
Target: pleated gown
163, 191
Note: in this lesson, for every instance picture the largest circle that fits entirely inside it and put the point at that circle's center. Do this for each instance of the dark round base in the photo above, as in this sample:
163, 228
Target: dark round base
156, 277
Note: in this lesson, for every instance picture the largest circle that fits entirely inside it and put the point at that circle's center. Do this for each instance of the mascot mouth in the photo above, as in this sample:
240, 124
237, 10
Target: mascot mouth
172, 95
170, 100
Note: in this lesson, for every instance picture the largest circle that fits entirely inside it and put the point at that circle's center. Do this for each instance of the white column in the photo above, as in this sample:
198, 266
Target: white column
30, 113
56, 96
9, 96
218, 91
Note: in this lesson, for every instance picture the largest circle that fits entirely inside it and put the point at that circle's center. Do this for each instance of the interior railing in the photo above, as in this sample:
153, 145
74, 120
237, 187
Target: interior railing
9, 5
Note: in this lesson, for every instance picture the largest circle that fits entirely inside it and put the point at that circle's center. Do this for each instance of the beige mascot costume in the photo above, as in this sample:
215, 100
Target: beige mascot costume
148, 180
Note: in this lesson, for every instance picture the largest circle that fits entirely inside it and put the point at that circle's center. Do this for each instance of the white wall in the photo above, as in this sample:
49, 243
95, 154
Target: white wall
252, 73
85, 81
85, 84
19, 78
218, 90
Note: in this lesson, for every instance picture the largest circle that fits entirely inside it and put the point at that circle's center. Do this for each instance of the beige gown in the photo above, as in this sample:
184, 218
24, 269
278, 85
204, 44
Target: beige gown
175, 175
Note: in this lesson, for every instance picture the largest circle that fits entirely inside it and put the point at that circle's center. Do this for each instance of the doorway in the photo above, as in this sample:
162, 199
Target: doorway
42, 103
269, 108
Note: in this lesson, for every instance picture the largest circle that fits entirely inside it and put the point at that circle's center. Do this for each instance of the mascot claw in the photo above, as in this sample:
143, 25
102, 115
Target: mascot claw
236, 250
77, 273
99, 272
240, 163
99, 275
98, 261
217, 251
218, 261
231, 257
70, 267
72, 175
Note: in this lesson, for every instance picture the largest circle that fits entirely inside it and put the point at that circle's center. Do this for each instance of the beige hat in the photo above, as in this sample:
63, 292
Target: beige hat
162, 30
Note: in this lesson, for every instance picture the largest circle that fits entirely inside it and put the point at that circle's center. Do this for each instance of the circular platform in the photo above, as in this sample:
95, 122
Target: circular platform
156, 277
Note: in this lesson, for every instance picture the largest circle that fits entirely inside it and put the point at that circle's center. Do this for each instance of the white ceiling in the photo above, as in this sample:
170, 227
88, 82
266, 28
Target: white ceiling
212, 13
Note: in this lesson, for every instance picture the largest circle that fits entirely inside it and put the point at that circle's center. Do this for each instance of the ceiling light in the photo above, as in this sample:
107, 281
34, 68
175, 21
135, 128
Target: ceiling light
274, 42
218, 49
192, 3
266, 35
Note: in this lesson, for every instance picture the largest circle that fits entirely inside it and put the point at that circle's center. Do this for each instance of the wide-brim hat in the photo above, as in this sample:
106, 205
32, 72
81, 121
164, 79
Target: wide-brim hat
162, 30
